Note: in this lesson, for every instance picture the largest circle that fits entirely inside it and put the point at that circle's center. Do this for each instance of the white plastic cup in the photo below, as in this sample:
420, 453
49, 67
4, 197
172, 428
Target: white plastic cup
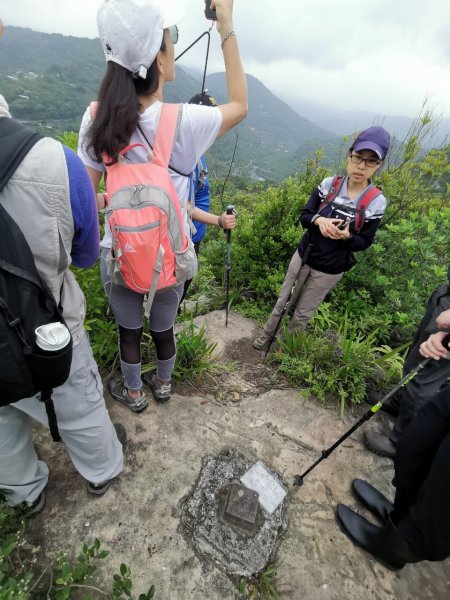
52, 337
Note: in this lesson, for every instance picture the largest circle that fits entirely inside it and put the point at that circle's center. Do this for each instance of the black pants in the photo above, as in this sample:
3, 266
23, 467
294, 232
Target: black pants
430, 379
422, 473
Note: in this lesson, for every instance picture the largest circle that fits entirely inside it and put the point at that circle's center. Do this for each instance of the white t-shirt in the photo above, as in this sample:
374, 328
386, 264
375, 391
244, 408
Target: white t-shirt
198, 129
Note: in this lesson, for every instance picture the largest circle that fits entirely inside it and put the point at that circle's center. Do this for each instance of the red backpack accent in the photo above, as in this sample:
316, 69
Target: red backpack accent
370, 193
150, 250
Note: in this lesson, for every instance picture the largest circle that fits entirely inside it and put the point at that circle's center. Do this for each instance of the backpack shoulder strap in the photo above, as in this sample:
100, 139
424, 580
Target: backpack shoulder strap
16, 141
169, 122
368, 196
335, 188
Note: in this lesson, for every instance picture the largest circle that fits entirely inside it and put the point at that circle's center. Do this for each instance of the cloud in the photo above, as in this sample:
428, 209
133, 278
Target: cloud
382, 55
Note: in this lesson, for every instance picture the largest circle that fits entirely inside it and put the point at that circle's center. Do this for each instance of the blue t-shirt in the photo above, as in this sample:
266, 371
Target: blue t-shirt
86, 241
202, 196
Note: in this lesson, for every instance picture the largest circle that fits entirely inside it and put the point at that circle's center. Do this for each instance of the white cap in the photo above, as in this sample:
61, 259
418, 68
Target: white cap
131, 31
4, 108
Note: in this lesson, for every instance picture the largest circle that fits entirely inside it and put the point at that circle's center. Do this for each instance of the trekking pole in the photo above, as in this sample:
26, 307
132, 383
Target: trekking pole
298, 479
229, 209
288, 303
208, 34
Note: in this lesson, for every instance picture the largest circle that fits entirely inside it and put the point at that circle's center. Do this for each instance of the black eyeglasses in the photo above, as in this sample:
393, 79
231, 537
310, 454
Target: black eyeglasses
369, 162
173, 34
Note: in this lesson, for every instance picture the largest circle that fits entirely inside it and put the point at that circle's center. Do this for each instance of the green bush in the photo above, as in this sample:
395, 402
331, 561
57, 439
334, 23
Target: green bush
264, 239
22, 577
339, 364
194, 354
389, 288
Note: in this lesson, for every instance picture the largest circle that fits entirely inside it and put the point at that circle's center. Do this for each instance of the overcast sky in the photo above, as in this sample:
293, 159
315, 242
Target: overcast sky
384, 56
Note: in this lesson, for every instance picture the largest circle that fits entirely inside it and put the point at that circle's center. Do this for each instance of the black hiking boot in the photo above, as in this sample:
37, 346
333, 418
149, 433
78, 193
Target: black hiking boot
385, 543
372, 499
379, 444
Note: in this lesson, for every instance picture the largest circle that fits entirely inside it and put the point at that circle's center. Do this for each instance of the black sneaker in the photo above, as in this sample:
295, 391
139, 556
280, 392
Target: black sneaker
98, 489
379, 444
32, 509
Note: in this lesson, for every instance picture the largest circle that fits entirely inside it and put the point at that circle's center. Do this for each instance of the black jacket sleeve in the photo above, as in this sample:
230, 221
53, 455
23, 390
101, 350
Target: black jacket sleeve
359, 241
311, 209
364, 238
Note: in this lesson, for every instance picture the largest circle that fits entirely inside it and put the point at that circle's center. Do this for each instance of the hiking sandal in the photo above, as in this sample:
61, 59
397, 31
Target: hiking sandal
261, 342
161, 392
119, 392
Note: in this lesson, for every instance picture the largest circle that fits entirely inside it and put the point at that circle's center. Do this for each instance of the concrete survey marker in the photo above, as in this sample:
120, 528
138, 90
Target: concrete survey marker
242, 506
225, 520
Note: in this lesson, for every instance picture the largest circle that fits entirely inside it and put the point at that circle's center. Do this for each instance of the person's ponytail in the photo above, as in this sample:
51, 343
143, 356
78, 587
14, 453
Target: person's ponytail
118, 109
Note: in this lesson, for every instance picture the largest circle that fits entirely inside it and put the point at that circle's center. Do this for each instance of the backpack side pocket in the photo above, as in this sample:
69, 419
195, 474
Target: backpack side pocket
186, 265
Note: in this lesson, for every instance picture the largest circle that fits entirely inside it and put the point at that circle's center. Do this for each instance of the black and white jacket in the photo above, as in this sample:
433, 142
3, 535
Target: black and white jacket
336, 256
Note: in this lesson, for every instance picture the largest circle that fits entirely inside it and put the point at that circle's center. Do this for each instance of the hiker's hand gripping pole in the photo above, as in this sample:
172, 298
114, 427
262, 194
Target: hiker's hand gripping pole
229, 210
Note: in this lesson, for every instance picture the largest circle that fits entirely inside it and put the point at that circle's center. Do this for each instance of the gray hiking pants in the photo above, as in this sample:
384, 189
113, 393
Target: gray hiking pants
84, 426
311, 288
127, 306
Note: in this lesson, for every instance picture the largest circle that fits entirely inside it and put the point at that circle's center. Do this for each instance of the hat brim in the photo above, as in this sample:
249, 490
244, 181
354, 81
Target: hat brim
370, 146
172, 12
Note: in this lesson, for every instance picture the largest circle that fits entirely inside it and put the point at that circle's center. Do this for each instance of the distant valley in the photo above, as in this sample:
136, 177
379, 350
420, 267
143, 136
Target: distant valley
49, 79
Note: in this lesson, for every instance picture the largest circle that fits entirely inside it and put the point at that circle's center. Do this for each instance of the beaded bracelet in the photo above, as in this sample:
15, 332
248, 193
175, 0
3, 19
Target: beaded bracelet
228, 35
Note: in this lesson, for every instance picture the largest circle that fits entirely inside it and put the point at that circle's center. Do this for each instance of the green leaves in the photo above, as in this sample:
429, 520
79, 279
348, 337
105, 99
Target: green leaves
23, 579
194, 353
338, 364
262, 586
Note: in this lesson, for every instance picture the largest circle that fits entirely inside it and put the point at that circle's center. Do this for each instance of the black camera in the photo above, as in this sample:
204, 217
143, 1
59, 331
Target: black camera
209, 13
344, 224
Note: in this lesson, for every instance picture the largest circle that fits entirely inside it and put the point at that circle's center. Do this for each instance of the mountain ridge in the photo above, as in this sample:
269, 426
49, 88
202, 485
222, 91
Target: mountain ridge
49, 79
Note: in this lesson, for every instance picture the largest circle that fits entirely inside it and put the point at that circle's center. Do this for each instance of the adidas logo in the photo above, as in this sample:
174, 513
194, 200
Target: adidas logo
129, 248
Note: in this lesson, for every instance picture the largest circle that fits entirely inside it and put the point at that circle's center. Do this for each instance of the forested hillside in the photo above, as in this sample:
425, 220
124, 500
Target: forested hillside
49, 79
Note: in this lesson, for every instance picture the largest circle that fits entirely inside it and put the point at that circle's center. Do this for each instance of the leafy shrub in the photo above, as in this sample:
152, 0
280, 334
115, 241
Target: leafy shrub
23, 578
389, 288
264, 239
339, 364
194, 354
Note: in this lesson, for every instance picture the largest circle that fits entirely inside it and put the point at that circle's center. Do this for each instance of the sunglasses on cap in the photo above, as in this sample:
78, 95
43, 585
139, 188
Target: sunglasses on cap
173, 34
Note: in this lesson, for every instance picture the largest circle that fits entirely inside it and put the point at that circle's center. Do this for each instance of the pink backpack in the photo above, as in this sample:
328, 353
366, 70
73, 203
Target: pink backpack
150, 250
